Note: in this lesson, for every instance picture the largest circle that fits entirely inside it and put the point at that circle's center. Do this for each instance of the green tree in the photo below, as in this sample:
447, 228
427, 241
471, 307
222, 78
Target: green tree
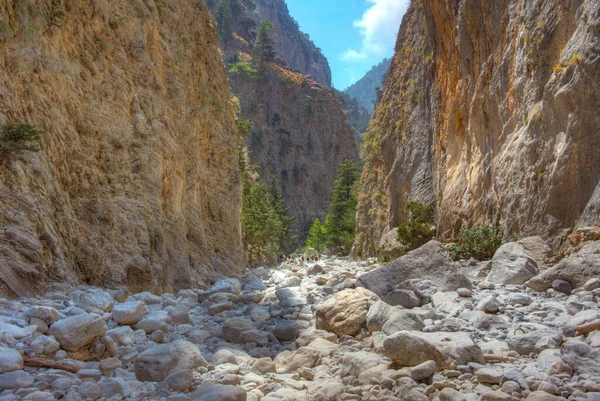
224, 19
317, 236
419, 228
15, 137
283, 214
340, 218
264, 46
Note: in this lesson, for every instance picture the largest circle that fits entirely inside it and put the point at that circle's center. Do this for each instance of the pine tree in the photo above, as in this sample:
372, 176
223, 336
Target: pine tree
339, 222
264, 46
224, 20
283, 214
317, 236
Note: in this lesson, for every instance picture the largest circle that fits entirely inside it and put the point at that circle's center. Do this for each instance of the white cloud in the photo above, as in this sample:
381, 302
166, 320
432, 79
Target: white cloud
379, 28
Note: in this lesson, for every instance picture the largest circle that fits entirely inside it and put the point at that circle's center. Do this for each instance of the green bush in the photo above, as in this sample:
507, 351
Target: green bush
15, 137
243, 69
419, 228
480, 242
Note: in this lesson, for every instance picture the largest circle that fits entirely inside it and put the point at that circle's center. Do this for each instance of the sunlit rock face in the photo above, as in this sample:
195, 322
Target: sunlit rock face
137, 180
489, 112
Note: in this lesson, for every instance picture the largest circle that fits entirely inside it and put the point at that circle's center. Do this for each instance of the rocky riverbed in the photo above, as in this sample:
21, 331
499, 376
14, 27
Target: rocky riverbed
420, 328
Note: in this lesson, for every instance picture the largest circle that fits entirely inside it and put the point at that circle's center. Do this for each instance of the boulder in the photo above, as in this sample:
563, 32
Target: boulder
285, 330
156, 363
77, 331
581, 357
129, 312
218, 392
45, 313
345, 313
527, 343
222, 285
404, 298
303, 357
539, 251
447, 350
512, 264
403, 320
423, 370
431, 262
354, 363
378, 315
93, 300
234, 327
10, 360
577, 269
159, 320
16, 380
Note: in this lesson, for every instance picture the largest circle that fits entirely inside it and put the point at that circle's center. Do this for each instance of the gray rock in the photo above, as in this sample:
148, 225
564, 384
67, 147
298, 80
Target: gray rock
10, 360
123, 335
285, 330
223, 284
14, 331
130, 312
450, 394
423, 370
155, 321
290, 298
180, 380
217, 392
526, 343
404, 298
581, 357
512, 264
403, 320
378, 315
448, 350
93, 300
77, 331
562, 286
355, 363
89, 390
234, 327
180, 315
577, 269
223, 356
431, 262
15, 380
489, 376
156, 363
46, 313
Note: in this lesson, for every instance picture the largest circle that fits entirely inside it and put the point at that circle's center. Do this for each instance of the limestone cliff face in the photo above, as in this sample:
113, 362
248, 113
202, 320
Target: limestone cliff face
299, 138
293, 46
490, 113
300, 130
137, 181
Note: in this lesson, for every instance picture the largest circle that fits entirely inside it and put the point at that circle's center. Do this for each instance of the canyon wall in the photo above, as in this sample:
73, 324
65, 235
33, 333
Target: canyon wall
300, 130
489, 112
136, 184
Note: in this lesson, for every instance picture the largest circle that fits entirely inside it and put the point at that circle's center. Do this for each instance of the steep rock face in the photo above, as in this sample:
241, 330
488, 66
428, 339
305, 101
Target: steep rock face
300, 136
300, 129
293, 46
137, 182
358, 116
489, 112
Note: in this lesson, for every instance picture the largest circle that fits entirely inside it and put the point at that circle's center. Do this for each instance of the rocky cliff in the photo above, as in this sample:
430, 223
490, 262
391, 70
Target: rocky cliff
137, 181
300, 136
300, 129
489, 112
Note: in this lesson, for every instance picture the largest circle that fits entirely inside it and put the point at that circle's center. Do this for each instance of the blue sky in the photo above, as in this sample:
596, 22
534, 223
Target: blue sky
353, 34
